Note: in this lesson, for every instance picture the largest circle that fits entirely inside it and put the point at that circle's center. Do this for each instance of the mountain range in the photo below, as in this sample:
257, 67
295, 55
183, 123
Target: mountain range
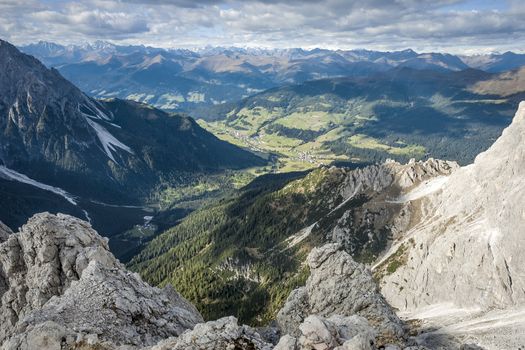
303, 108
178, 79
83, 152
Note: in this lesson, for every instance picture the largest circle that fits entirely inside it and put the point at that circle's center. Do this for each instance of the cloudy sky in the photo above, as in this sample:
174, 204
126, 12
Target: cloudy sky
458, 26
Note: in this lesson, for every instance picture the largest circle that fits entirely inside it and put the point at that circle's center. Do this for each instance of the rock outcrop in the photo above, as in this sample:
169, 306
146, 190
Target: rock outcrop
338, 286
335, 332
463, 258
224, 333
365, 210
61, 287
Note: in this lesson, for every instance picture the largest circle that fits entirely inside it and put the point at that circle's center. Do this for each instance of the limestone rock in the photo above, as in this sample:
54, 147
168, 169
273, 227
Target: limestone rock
339, 286
335, 332
224, 333
59, 283
287, 342
4, 232
463, 258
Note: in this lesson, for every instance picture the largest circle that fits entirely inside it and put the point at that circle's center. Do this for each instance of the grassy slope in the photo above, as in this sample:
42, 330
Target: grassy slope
400, 115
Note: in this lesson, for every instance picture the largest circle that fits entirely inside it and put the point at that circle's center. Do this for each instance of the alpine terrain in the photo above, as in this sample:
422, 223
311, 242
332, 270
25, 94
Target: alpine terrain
61, 150
452, 271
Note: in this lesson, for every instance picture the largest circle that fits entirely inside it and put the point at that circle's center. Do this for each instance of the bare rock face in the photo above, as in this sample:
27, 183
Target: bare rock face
60, 285
339, 286
368, 213
463, 260
335, 332
4, 232
224, 333
413, 173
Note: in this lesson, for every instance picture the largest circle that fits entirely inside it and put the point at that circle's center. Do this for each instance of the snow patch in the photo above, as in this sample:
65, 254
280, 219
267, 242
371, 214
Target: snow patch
109, 142
97, 112
12, 175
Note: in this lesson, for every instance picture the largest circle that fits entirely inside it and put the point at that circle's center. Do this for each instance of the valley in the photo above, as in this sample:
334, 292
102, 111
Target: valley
400, 115
62, 151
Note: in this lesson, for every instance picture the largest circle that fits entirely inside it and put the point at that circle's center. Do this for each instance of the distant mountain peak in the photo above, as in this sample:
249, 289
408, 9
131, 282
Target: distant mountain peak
30, 90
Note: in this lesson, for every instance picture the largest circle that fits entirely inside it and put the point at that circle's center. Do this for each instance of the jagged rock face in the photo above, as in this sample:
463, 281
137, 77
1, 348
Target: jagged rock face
364, 214
465, 253
60, 284
335, 332
339, 286
224, 333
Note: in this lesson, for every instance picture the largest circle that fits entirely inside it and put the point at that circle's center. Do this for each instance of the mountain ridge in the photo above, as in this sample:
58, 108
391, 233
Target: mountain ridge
196, 77
56, 138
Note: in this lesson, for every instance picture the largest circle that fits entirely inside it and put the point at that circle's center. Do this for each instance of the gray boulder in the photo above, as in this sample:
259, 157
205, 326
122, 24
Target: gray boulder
339, 286
224, 333
59, 284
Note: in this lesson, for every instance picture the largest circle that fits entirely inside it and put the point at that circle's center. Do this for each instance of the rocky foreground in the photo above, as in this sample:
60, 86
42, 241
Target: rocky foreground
62, 289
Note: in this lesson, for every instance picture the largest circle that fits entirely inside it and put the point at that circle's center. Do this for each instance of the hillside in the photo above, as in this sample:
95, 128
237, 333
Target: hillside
243, 255
400, 114
504, 84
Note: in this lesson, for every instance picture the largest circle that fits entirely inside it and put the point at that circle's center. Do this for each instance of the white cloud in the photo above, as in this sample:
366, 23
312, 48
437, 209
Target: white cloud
444, 25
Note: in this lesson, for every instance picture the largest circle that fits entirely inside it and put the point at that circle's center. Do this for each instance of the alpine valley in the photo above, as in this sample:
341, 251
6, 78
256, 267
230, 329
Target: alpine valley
62, 151
256, 199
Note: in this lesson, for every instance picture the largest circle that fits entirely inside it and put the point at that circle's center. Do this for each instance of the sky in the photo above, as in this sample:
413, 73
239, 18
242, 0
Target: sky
455, 26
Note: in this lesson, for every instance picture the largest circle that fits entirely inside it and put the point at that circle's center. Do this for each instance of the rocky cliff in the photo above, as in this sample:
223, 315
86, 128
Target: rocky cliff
461, 265
60, 288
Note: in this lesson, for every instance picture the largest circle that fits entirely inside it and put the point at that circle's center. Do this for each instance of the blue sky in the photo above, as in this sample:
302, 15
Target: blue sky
457, 26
